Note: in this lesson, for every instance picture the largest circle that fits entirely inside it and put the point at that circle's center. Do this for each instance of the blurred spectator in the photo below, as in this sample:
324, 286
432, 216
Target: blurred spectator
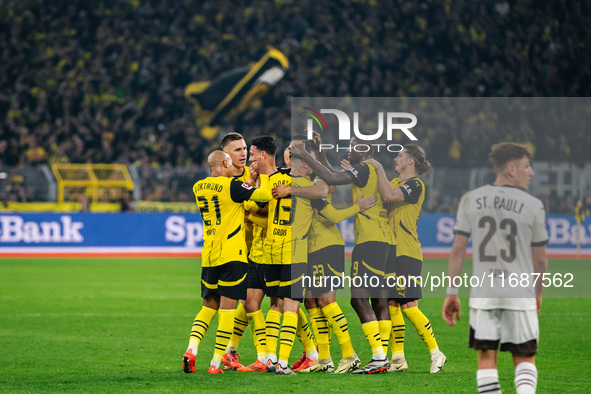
103, 81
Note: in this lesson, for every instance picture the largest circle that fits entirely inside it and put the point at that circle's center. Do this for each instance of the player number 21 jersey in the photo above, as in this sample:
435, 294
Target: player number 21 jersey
220, 203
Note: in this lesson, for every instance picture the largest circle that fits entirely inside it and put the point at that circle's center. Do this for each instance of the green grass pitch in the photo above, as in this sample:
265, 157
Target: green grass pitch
122, 325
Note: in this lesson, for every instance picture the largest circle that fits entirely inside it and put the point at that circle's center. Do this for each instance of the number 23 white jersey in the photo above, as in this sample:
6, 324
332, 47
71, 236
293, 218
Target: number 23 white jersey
504, 223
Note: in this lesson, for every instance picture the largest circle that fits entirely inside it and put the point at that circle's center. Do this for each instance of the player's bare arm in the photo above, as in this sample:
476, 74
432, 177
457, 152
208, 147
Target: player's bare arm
451, 306
330, 177
540, 262
386, 190
320, 155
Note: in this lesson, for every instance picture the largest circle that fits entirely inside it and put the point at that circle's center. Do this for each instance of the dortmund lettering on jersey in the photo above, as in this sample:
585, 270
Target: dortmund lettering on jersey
370, 225
220, 202
403, 216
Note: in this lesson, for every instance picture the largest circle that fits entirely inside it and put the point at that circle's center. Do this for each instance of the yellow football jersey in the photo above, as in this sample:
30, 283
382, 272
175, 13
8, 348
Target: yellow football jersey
323, 232
259, 231
248, 229
245, 175
372, 224
220, 203
277, 245
301, 214
403, 216
279, 220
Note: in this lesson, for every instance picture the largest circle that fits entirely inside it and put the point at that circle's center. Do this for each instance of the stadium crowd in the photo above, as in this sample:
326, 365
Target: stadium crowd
103, 81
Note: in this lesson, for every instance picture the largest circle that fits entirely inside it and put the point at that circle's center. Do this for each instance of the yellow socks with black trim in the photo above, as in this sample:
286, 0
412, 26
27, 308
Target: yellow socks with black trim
200, 326
272, 326
259, 337
423, 326
240, 323
385, 327
397, 337
321, 330
222, 337
372, 334
287, 336
338, 324
305, 335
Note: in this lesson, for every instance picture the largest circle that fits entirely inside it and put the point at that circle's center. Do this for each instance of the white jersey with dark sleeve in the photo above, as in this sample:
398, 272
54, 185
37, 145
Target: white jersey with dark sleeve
504, 223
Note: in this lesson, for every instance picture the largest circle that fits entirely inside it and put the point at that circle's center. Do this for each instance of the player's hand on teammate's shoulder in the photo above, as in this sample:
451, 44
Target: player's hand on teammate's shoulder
367, 202
281, 191
345, 165
373, 162
451, 309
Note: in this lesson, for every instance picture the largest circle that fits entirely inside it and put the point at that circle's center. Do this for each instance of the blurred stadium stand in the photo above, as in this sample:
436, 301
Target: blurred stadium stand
103, 82
558, 185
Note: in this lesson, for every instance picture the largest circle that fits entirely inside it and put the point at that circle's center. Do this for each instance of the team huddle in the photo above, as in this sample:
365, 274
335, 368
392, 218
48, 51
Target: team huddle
288, 211
267, 229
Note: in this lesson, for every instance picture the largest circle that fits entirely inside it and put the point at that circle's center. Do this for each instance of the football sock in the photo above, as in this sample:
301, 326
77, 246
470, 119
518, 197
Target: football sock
287, 336
259, 334
283, 364
240, 323
225, 328
372, 334
305, 335
272, 325
200, 326
321, 330
385, 327
312, 313
526, 378
488, 381
338, 324
423, 326
397, 337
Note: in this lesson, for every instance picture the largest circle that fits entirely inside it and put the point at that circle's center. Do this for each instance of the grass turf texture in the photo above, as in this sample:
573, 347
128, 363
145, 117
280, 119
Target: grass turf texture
121, 325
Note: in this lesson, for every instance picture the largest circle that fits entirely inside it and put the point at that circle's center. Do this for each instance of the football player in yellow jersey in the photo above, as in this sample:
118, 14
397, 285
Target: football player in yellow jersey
277, 252
326, 259
234, 145
295, 222
373, 237
406, 194
223, 274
